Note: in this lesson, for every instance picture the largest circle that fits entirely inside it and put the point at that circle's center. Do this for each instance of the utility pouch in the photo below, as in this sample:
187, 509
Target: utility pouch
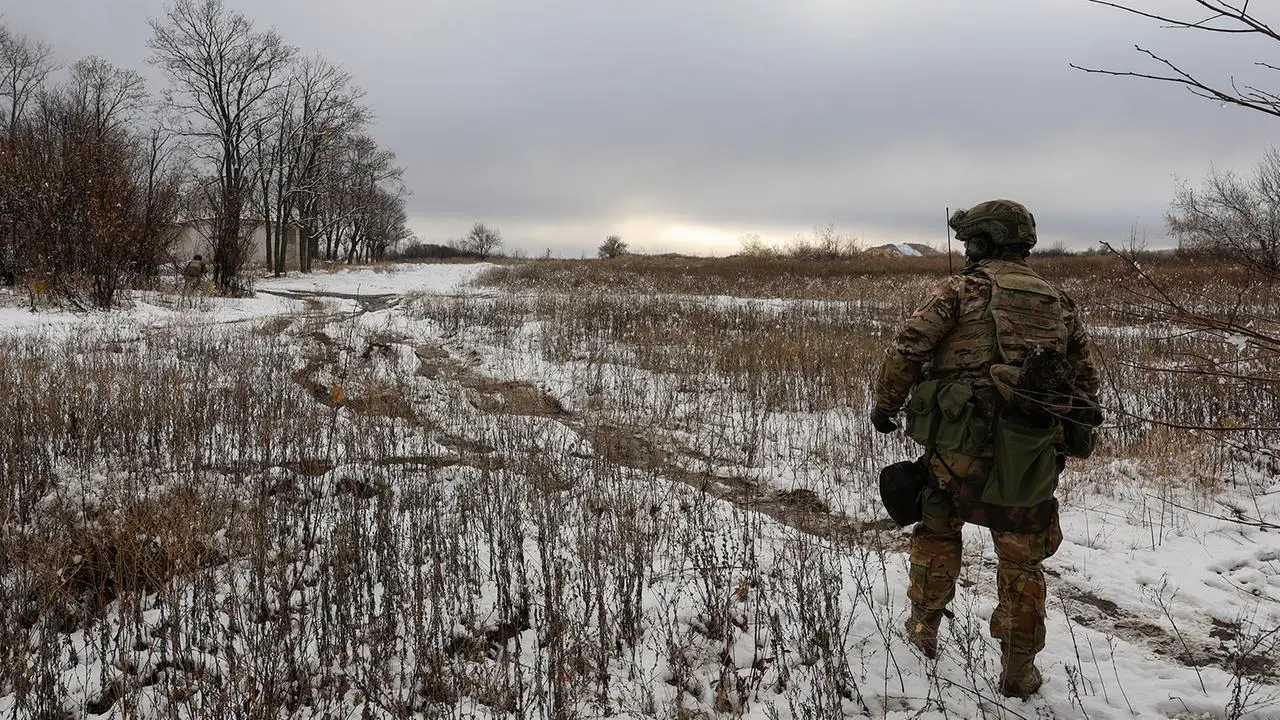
1024, 470
922, 413
945, 416
955, 404
1080, 430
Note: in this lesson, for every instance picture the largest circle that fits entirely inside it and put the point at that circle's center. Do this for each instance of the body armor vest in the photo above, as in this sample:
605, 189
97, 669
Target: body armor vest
1022, 312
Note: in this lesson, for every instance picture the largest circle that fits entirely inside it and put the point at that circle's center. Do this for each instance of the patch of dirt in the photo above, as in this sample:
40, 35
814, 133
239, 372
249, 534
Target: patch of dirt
507, 397
626, 447
1216, 646
323, 338
384, 403
1134, 628
470, 447
1091, 611
514, 398
1105, 606
275, 326
362, 488
378, 349
1222, 630
305, 376
313, 467
806, 501
546, 477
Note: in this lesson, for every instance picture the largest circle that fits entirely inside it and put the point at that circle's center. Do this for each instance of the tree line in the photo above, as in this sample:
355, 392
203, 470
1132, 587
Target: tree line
99, 177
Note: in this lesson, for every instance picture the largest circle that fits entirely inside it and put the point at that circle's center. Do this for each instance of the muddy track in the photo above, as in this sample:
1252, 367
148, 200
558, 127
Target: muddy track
801, 510
366, 302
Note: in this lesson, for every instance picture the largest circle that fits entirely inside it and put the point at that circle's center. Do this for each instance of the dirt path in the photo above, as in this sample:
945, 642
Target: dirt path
366, 302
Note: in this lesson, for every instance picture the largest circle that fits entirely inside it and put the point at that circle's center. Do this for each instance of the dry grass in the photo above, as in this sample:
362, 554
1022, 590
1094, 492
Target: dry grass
190, 524
750, 277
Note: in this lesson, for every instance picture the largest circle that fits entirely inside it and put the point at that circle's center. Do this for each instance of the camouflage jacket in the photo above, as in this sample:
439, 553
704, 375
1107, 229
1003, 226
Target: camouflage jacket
912, 354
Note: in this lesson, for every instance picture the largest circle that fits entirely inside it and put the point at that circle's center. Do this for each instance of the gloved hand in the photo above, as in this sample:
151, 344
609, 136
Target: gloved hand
882, 421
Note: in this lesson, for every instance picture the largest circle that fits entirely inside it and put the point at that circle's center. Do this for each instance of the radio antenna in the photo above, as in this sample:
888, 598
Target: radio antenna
950, 270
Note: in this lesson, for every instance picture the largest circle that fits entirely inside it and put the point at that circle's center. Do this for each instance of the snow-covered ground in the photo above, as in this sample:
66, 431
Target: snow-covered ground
766, 582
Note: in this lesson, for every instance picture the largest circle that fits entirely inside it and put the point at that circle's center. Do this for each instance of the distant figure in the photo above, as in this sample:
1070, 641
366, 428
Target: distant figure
996, 374
194, 273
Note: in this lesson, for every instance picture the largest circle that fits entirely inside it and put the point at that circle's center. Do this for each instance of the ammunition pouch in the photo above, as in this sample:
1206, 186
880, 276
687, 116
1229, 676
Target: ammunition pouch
947, 416
901, 486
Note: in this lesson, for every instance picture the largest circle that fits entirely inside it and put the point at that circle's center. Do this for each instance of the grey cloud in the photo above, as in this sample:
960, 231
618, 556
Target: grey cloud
579, 114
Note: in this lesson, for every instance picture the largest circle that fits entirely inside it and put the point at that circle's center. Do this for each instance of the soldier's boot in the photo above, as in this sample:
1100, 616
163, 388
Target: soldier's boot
922, 629
1019, 676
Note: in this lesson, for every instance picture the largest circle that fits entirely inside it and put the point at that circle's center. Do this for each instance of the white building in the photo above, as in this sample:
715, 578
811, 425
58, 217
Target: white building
195, 238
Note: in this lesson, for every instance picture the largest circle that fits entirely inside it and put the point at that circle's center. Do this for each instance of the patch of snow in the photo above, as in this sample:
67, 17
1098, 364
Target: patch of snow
399, 279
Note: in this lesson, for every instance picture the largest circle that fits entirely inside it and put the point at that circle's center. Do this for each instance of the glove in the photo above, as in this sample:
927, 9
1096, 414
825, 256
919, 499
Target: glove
882, 421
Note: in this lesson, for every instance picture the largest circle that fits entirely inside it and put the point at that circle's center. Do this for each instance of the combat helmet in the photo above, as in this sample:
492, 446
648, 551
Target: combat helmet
1003, 222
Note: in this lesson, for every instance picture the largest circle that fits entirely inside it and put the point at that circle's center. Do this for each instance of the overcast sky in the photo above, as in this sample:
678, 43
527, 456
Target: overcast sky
682, 124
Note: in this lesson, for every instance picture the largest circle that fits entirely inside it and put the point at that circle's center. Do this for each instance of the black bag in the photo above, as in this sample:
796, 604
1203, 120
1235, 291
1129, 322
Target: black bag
900, 486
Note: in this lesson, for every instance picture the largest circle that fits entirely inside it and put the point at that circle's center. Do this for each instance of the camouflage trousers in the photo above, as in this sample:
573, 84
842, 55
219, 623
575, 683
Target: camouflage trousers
1018, 620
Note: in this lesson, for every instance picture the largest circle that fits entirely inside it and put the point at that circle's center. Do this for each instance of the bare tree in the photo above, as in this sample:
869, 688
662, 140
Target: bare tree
331, 111
612, 247
1237, 217
109, 97
313, 114
824, 243
483, 240
95, 201
161, 180
1232, 213
384, 224
24, 66
222, 72
357, 186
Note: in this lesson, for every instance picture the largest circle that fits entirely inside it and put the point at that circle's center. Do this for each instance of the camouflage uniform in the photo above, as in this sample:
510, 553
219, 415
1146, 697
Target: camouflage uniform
194, 273
953, 337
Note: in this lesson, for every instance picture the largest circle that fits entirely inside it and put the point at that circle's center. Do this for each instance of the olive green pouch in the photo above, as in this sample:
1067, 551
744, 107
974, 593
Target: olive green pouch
1079, 430
1024, 471
921, 412
956, 408
944, 416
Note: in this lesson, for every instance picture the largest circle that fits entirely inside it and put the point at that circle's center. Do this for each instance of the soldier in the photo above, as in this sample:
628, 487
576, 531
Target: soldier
1002, 387
194, 273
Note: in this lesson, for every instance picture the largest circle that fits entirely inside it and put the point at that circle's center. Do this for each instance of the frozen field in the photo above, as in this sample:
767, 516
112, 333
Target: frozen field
393, 493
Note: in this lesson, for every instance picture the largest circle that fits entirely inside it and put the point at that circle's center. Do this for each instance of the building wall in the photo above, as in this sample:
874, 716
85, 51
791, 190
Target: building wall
194, 239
